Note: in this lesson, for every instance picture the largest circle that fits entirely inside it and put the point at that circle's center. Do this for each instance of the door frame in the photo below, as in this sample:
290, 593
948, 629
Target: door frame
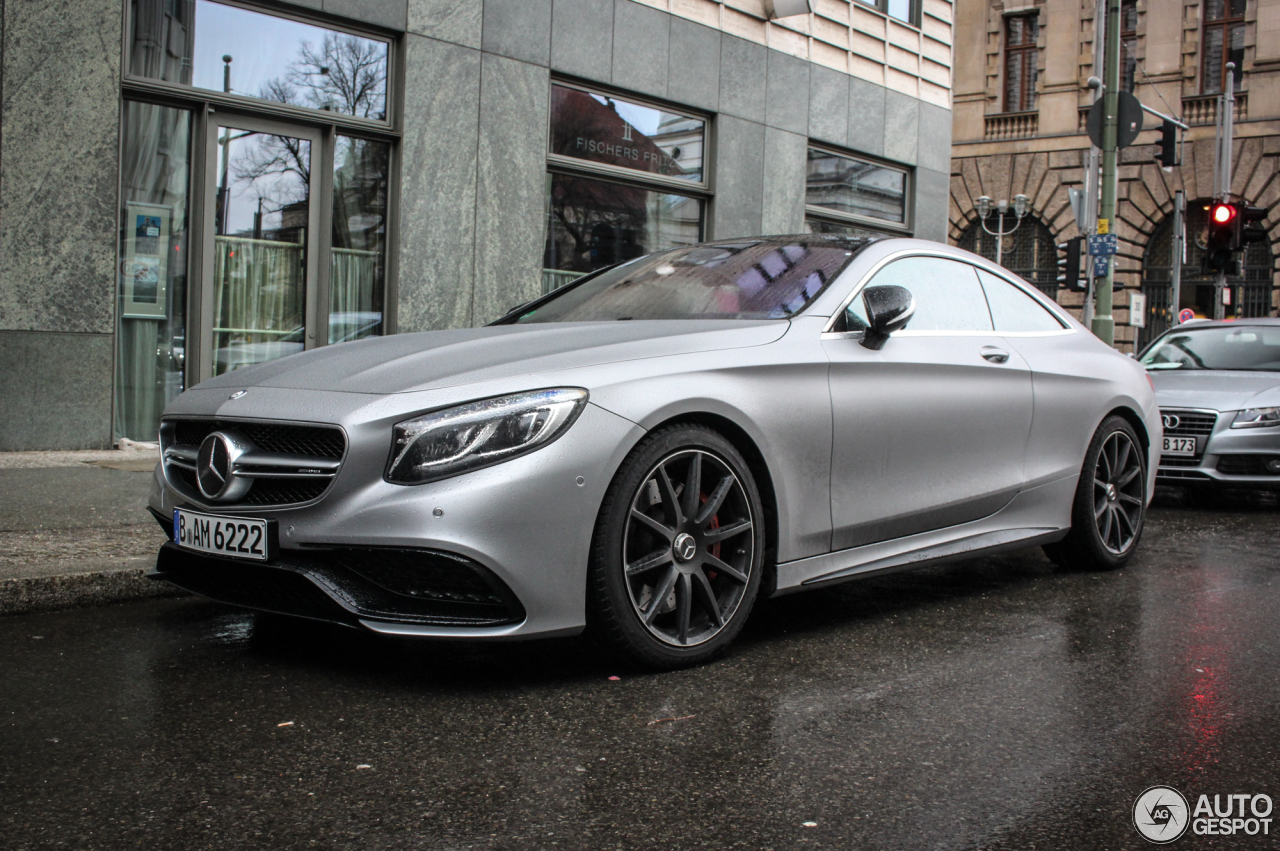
316, 280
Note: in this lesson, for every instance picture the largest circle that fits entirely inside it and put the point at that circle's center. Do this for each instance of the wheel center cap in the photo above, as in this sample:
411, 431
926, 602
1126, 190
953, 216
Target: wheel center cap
684, 547
1112, 494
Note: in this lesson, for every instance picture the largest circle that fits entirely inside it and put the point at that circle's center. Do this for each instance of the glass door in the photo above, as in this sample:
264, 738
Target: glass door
260, 297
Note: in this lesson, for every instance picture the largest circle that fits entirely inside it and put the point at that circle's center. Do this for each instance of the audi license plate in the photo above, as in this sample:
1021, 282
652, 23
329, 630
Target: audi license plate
1179, 446
237, 537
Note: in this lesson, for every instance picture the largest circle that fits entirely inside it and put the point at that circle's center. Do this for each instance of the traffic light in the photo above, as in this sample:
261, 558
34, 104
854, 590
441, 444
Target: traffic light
1069, 264
1168, 152
1224, 219
1249, 226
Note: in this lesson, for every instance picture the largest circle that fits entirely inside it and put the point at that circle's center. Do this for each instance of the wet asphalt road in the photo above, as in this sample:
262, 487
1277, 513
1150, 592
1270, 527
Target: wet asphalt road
996, 704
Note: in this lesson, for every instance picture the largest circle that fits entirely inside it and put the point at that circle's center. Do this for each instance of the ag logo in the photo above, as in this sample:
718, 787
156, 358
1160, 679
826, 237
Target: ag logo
1160, 814
1171, 421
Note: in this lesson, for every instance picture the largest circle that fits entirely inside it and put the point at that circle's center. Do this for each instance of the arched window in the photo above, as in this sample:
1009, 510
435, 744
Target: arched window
1251, 294
1029, 251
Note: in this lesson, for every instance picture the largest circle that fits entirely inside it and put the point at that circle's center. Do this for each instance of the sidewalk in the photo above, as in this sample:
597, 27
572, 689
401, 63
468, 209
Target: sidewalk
74, 529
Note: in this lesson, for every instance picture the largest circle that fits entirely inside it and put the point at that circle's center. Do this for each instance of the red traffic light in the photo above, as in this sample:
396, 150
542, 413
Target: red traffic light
1222, 214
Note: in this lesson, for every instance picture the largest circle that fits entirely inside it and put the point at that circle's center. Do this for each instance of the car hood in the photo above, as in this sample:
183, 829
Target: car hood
404, 363
1218, 390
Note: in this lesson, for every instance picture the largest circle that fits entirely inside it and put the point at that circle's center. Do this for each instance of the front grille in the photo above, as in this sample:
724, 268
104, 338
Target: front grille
1190, 423
305, 457
1179, 461
344, 585
1246, 465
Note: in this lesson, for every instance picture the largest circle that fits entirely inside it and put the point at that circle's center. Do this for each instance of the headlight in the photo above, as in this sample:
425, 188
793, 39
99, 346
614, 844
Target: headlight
1257, 418
478, 434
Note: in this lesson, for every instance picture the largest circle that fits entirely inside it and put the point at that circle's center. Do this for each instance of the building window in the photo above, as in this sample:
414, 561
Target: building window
625, 178
1020, 60
289, 249
1223, 43
907, 11
1028, 252
216, 47
851, 195
1129, 44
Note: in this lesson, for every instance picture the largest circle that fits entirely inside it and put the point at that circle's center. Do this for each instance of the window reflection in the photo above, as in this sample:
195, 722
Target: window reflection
212, 46
357, 271
595, 223
856, 187
605, 129
155, 174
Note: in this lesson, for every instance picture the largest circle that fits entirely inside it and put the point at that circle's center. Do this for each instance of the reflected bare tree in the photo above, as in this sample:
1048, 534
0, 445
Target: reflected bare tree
345, 74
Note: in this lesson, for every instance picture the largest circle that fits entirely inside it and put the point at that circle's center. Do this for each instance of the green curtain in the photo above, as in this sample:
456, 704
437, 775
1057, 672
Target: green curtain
259, 293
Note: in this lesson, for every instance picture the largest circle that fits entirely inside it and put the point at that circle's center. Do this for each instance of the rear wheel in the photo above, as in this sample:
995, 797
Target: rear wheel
1110, 502
678, 549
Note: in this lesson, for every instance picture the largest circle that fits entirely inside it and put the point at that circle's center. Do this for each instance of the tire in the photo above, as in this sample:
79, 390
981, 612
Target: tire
671, 581
1110, 503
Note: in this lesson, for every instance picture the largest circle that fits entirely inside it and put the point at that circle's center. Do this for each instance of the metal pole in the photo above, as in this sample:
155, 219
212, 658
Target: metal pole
1179, 249
1094, 159
1222, 174
1000, 238
1103, 323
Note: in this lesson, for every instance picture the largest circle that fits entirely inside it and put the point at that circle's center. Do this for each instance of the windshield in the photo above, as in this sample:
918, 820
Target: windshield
1246, 347
751, 279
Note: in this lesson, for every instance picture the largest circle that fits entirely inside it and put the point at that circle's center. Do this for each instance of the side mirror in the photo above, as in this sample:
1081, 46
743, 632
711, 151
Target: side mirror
889, 309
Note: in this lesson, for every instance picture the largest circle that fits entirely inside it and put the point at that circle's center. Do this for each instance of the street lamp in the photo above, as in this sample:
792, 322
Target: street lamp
1020, 202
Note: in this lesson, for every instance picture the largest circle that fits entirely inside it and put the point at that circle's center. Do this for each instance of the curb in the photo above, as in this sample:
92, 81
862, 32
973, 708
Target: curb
29, 595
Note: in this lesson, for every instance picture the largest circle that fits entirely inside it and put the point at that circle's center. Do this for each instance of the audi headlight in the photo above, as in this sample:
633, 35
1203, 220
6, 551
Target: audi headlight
478, 434
1257, 418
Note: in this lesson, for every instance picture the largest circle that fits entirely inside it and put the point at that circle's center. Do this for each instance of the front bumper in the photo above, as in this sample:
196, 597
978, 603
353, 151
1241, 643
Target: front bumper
1226, 457
523, 527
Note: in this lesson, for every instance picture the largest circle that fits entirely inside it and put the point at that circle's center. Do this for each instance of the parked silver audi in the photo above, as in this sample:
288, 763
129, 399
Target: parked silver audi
1218, 386
651, 449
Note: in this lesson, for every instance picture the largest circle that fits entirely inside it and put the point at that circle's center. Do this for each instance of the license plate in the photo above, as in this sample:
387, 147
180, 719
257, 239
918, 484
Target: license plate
1179, 446
236, 537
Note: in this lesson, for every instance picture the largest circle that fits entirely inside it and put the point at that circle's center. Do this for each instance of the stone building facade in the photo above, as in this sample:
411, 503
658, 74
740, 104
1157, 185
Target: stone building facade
1019, 127
190, 186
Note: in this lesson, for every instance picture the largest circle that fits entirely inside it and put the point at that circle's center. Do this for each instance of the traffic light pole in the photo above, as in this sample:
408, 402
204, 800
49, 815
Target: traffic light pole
1222, 172
1179, 250
1103, 325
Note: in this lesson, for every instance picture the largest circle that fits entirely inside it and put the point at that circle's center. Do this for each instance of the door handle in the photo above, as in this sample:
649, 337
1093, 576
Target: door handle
993, 354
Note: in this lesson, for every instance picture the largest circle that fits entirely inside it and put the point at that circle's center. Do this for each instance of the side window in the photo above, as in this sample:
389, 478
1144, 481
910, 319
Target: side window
1013, 310
948, 297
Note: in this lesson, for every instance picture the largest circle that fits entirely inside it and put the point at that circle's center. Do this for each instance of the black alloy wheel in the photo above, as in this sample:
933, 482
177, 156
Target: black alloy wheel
1119, 492
1110, 503
677, 558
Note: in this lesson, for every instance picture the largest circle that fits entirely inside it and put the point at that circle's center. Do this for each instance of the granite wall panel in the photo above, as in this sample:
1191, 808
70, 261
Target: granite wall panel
511, 207
787, 97
438, 185
693, 75
582, 39
455, 21
934, 147
785, 157
742, 78
932, 189
828, 106
866, 117
392, 14
739, 178
519, 29
902, 127
642, 47
56, 390
59, 165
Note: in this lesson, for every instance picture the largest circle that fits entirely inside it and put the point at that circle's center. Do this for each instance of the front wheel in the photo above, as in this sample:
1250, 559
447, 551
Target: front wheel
678, 549
1110, 502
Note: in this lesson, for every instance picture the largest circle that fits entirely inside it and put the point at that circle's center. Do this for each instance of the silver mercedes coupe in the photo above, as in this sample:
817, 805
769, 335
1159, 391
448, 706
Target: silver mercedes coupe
651, 449
1218, 386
